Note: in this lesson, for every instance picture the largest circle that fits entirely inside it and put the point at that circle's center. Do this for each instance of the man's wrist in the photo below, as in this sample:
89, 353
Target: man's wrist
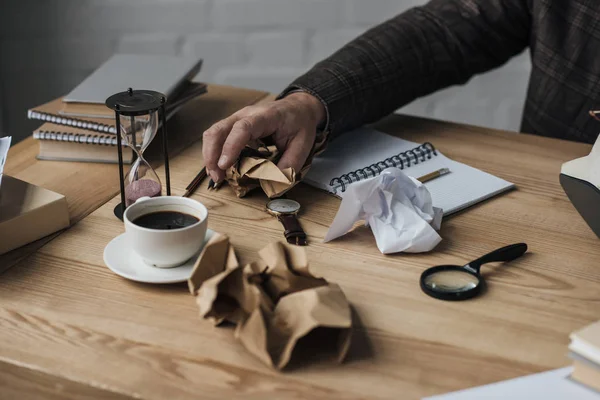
313, 105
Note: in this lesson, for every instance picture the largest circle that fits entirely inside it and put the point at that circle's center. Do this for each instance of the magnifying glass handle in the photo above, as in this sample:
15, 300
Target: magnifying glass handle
507, 253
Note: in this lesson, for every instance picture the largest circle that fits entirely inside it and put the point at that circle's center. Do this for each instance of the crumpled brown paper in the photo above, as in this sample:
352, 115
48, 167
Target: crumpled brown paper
274, 303
255, 170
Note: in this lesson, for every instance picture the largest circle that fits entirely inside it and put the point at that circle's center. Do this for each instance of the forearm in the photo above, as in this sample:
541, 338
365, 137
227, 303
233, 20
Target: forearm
416, 53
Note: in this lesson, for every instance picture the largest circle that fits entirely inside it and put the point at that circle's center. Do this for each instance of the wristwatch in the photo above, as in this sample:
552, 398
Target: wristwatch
285, 210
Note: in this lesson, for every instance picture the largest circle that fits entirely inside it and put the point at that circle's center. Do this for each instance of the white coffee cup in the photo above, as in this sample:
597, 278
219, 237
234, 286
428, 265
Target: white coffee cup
164, 248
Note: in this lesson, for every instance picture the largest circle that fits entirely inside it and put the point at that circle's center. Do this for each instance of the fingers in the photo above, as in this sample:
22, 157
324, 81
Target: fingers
292, 126
244, 130
224, 141
297, 151
212, 145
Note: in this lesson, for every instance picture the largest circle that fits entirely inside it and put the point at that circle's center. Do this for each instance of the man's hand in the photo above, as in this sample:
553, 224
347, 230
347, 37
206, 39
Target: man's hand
292, 121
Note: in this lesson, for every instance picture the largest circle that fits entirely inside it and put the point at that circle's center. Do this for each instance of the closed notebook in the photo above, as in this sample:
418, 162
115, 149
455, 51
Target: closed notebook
90, 117
186, 92
66, 143
364, 153
587, 373
586, 342
585, 351
161, 73
50, 112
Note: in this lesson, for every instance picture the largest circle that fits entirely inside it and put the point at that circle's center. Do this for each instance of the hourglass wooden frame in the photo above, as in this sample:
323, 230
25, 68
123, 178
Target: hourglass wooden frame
127, 104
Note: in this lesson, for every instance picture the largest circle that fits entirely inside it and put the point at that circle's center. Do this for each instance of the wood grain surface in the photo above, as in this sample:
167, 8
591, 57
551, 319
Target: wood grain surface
89, 185
65, 318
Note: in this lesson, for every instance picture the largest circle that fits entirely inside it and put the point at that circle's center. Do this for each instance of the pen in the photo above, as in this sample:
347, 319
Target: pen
433, 175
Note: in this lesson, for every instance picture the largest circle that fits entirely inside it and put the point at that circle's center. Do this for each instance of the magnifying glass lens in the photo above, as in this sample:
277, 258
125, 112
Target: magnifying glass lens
449, 281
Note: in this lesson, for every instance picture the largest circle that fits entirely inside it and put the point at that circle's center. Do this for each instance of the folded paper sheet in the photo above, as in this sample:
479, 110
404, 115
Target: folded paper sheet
274, 303
4, 146
260, 170
398, 209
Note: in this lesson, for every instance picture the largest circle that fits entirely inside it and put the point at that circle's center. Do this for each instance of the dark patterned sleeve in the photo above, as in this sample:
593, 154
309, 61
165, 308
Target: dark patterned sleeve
424, 49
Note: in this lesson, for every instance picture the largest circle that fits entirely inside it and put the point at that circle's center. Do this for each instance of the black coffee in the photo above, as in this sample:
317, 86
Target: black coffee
165, 220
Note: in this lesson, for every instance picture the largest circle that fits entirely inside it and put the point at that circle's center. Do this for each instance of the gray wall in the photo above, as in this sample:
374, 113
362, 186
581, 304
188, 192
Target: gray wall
48, 46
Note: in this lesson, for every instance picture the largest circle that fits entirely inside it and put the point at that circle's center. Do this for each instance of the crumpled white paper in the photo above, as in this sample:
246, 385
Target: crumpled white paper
398, 209
4, 146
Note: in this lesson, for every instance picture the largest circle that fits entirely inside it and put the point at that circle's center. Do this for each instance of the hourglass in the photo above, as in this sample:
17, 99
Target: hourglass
137, 115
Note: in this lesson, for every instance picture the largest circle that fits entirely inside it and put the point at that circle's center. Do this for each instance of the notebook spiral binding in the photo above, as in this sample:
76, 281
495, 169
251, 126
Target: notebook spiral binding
79, 123
402, 160
106, 140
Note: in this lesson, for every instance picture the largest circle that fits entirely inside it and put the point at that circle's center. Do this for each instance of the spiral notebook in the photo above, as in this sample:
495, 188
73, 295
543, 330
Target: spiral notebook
53, 111
364, 153
66, 143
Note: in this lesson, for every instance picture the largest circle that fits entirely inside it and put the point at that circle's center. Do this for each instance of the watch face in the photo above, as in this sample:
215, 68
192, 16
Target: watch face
283, 206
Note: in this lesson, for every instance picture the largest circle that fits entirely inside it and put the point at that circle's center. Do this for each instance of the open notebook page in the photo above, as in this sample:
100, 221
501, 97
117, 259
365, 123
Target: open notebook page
461, 188
351, 151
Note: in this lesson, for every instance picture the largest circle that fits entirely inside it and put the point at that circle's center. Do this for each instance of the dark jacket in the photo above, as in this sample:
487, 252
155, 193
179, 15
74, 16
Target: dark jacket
446, 42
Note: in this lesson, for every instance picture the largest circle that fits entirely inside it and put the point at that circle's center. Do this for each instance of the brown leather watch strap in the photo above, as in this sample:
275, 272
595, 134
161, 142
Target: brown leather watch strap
294, 234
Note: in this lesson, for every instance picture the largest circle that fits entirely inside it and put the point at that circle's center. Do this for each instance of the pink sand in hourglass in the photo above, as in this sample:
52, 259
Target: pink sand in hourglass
141, 188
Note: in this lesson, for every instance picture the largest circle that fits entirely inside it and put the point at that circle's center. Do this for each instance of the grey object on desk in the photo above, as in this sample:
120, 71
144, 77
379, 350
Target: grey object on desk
586, 199
162, 74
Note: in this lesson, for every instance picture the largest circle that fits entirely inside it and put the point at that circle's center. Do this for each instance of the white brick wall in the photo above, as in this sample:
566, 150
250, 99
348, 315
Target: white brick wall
152, 43
278, 14
47, 47
281, 48
219, 51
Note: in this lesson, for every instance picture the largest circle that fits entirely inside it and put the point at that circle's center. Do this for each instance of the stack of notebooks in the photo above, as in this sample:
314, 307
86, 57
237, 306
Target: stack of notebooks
585, 352
79, 126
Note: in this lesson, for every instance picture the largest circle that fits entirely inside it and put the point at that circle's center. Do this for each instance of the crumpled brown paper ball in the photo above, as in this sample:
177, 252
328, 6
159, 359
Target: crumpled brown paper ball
275, 303
257, 167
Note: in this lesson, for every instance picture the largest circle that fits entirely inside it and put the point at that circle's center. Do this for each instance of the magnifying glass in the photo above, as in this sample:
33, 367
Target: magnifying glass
453, 282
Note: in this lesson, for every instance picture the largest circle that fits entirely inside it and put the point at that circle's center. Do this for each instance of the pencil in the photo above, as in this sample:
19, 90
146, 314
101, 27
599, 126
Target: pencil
191, 188
433, 175
199, 176
212, 185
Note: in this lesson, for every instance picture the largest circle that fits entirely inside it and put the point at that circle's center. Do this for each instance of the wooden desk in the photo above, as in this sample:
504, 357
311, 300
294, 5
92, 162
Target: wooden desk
69, 328
89, 185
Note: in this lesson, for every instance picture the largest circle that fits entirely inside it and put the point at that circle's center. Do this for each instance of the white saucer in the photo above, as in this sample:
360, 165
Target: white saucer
123, 261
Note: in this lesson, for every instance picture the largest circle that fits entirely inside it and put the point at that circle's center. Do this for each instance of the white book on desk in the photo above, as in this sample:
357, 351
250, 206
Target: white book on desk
365, 152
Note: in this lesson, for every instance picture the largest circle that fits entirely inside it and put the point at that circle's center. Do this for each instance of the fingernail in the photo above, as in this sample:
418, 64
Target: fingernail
223, 162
